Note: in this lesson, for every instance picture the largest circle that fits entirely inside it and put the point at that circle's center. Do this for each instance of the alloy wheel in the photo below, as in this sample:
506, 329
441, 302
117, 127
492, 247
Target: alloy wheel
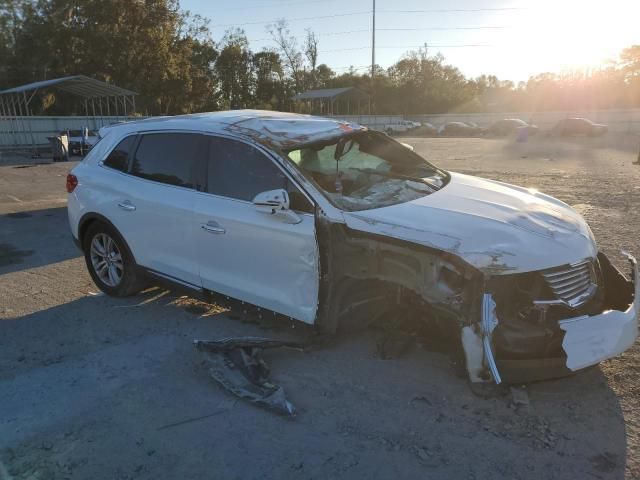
106, 259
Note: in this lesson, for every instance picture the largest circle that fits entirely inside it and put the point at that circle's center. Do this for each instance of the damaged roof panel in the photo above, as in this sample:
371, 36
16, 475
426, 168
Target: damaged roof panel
272, 129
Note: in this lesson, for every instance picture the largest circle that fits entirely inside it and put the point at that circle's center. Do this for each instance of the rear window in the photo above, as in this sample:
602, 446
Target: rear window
119, 157
170, 158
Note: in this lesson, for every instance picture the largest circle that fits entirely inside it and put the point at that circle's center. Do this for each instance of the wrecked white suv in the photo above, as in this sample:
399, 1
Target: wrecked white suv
333, 224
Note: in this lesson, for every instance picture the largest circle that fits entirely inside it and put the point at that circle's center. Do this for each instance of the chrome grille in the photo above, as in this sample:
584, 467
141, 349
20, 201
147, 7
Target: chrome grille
574, 284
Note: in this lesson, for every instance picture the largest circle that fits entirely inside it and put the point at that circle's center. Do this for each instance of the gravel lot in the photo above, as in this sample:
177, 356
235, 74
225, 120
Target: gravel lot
103, 388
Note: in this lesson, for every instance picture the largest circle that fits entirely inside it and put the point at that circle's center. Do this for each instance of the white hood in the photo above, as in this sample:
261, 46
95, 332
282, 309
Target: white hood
496, 227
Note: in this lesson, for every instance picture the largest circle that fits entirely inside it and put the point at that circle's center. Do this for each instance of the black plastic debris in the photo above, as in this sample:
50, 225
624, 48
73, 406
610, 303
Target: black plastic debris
237, 365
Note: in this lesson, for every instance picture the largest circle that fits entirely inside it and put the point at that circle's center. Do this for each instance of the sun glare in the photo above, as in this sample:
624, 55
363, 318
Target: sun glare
572, 34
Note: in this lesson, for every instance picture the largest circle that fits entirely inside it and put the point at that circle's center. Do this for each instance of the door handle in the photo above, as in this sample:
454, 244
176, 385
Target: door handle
213, 227
127, 205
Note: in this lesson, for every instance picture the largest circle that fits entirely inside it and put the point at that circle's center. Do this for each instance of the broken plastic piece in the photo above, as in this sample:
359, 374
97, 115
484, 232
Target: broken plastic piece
589, 340
237, 365
489, 323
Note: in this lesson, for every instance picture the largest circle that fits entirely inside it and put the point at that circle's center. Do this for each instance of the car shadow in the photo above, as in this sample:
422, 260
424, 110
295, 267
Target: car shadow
27, 160
97, 368
34, 238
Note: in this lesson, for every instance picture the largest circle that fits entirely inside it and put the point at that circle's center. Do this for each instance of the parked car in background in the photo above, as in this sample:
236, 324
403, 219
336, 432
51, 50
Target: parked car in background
333, 224
579, 126
511, 126
460, 129
427, 130
400, 127
79, 144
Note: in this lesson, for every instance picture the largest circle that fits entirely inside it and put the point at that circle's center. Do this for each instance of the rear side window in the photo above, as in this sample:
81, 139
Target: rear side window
170, 158
240, 171
119, 156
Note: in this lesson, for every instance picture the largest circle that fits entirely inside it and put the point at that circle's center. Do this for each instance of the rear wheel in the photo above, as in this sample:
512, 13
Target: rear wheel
110, 264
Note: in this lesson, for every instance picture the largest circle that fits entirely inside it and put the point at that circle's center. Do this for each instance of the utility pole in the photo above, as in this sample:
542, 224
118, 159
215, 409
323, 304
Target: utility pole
373, 42
373, 53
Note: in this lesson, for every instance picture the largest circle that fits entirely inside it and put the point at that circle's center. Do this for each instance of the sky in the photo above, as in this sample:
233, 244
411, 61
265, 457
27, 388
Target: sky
513, 39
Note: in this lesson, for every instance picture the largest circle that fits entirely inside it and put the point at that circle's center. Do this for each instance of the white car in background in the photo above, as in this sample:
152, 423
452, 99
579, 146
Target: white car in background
400, 126
332, 224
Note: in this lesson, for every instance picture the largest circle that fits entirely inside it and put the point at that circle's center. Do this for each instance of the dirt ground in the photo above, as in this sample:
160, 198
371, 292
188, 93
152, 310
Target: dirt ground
103, 388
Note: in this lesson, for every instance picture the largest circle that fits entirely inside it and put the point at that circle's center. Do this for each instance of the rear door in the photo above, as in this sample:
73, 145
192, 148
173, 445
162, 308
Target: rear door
247, 254
153, 206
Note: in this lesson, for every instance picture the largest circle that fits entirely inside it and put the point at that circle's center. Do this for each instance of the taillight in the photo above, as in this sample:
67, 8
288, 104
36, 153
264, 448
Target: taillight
72, 182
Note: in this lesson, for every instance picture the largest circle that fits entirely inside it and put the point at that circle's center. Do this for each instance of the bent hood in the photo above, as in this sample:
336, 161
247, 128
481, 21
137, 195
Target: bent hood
496, 227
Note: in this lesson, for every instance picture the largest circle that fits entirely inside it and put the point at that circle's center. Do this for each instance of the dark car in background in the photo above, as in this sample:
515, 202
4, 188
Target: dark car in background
511, 126
460, 129
579, 126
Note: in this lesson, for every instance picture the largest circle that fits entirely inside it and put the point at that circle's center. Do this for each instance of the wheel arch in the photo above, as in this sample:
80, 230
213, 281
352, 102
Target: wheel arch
91, 218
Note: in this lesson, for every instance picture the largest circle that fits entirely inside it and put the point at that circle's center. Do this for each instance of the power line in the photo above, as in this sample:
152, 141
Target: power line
438, 28
272, 5
367, 12
456, 10
368, 30
409, 46
292, 19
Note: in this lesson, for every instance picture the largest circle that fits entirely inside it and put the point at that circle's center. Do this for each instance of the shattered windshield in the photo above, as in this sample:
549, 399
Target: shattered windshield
367, 170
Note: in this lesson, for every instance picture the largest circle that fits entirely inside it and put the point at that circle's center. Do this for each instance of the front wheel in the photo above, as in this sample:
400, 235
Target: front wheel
110, 264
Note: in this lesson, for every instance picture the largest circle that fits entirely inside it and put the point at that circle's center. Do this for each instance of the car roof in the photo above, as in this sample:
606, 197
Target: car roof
278, 130
512, 120
577, 119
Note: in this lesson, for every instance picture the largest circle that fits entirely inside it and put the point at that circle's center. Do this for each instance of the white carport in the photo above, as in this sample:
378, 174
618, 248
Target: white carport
99, 99
335, 101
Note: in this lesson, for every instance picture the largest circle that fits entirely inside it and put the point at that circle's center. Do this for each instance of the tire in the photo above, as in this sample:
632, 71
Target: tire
119, 276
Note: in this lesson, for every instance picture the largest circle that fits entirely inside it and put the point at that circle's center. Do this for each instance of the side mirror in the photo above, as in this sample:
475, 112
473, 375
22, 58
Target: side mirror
276, 203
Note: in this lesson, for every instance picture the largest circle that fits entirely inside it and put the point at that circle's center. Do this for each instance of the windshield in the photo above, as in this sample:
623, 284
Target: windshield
367, 170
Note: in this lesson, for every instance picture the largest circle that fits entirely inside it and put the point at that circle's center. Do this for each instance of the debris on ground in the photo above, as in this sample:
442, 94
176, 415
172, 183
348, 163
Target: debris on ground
236, 363
487, 390
519, 397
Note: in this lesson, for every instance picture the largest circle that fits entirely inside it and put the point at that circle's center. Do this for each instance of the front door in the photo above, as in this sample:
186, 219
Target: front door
247, 254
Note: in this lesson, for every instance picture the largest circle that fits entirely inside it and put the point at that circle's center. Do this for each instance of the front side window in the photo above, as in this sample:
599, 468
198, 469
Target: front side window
238, 170
170, 158
367, 170
119, 156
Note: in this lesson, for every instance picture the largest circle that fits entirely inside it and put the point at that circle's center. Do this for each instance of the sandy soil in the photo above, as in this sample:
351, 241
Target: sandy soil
103, 388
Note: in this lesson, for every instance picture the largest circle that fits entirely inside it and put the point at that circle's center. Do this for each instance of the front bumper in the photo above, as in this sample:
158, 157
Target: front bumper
588, 339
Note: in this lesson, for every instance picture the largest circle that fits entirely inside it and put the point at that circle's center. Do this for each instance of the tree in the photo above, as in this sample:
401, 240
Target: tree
234, 70
270, 81
288, 46
630, 61
151, 47
311, 52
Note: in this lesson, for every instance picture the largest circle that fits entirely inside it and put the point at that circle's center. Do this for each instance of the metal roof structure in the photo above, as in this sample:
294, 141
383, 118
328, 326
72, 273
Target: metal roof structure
79, 85
332, 94
98, 97
333, 100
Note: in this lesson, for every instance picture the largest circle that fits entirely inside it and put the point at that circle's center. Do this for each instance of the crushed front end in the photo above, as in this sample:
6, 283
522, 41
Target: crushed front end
550, 323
